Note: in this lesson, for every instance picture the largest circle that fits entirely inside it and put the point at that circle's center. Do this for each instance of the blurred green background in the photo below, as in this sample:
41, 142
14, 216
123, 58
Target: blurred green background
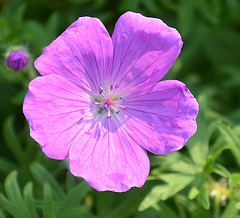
201, 180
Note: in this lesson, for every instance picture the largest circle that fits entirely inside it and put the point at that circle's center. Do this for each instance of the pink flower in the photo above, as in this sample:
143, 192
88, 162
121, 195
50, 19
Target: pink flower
99, 102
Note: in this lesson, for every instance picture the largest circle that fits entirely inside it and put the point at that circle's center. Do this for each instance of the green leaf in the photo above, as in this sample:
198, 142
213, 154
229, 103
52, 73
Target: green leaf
186, 16
175, 162
4, 203
153, 197
104, 203
29, 200
73, 199
128, 206
235, 181
18, 99
70, 182
12, 139
48, 211
52, 25
12, 189
190, 208
222, 171
1, 213
80, 212
14, 195
203, 197
193, 193
6, 166
232, 138
231, 210
175, 183
198, 145
160, 210
42, 176
217, 149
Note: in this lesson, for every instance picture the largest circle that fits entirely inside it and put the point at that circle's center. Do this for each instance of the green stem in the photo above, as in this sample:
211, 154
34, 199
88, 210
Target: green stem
217, 206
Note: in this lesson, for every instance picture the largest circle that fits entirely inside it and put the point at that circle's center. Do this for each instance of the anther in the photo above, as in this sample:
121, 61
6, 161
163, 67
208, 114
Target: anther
105, 108
122, 99
117, 86
100, 90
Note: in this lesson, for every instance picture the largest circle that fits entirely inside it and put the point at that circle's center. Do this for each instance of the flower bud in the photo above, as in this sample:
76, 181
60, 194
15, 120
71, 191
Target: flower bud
17, 60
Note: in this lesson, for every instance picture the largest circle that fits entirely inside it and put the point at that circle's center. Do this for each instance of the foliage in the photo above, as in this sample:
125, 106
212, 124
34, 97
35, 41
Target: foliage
201, 180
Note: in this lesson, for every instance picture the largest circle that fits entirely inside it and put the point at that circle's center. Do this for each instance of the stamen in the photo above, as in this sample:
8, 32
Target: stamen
113, 108
100, 90
117, 101
98, 103
104, 94
105, 108
111, 87
122, 99
121, 106
109, 114
117, 86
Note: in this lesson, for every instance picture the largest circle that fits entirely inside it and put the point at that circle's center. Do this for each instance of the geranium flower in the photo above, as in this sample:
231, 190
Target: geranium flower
17, 60
99, 102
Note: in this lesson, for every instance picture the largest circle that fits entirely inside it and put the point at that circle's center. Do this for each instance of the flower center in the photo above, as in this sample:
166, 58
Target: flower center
108, 100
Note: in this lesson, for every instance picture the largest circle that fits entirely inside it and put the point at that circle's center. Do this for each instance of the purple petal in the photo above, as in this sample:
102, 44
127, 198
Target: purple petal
108, 159
144, 50
162, 119
82, 54
56, 111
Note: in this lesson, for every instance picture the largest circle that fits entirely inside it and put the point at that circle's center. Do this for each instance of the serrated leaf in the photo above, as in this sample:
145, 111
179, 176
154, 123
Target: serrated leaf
29, 200
48, 211
42, 176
